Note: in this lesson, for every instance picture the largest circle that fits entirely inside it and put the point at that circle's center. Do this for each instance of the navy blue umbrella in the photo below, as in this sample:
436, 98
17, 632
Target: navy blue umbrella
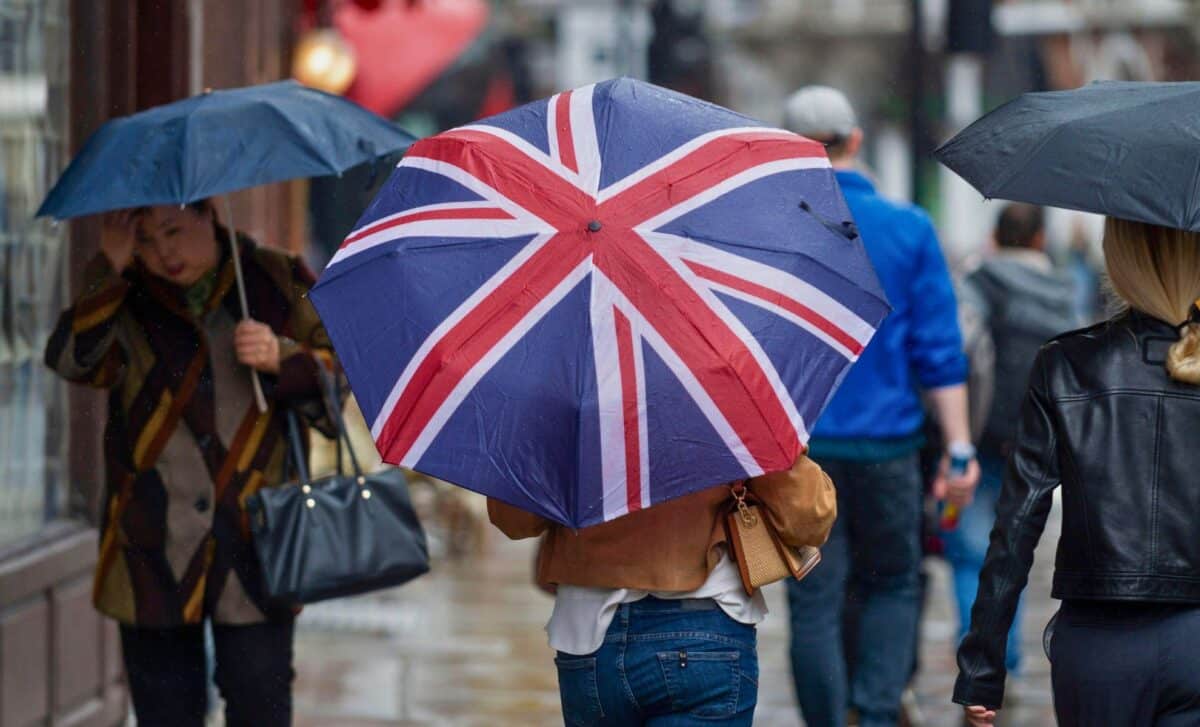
219, 142
1120, 148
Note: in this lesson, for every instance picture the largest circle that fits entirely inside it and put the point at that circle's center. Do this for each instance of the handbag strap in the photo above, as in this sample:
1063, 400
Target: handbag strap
299, 460
334, 404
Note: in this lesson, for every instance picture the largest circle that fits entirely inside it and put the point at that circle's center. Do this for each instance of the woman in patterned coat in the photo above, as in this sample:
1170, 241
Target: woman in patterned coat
159, 325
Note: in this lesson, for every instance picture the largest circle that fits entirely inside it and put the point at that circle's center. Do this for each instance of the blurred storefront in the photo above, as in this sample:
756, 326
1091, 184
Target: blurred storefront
66, 66
918, 70
429, 65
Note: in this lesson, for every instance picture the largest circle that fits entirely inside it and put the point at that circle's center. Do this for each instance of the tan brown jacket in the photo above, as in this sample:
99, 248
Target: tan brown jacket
672, 546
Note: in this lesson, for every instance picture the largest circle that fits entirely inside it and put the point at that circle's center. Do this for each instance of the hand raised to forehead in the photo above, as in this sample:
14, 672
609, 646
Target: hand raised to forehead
118, 232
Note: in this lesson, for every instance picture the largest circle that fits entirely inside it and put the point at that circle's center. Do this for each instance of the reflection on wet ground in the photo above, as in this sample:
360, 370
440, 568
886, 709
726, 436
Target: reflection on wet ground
464, 646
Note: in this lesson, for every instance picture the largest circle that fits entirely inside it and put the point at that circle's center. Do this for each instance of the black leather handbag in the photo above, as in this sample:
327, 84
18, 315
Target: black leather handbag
337, 536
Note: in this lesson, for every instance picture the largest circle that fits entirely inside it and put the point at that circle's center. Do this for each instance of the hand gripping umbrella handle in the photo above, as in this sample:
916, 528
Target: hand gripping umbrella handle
241, 288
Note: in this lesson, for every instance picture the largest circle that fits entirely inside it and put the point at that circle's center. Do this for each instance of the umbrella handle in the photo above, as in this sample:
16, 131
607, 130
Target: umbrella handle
259, 398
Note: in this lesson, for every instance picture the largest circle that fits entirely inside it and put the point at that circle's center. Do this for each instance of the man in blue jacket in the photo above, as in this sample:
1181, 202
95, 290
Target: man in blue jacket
868, 440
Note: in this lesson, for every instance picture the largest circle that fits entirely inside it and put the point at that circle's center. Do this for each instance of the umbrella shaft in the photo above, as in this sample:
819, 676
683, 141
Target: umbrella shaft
259, 398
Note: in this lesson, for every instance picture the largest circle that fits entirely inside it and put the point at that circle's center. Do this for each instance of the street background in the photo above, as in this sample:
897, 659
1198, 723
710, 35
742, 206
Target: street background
464, 645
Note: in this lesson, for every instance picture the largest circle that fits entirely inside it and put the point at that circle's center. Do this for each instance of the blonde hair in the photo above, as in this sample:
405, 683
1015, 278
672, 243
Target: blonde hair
1156, 270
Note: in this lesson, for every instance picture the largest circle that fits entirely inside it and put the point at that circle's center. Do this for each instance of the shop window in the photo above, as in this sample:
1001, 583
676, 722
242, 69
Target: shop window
33, 145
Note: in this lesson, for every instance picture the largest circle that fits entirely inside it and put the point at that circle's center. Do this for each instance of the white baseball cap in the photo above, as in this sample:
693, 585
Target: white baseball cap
821, 113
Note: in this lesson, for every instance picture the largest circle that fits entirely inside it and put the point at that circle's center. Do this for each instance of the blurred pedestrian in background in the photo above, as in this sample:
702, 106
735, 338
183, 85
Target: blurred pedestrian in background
651, 622
1111, 413
868, 441
1022, 302
1085, 266
158, 325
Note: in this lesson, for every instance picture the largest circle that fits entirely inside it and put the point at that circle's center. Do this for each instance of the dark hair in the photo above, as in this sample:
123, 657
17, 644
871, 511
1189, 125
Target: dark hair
1019, 224
835, 146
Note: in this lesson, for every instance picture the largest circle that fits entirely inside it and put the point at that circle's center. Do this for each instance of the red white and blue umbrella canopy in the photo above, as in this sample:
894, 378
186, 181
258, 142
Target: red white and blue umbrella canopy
601, 301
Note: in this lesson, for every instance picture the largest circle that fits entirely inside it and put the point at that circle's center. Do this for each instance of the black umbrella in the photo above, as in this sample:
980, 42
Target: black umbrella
1120, 148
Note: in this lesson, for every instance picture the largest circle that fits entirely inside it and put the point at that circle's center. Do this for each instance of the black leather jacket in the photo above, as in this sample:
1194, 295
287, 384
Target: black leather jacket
1103, 419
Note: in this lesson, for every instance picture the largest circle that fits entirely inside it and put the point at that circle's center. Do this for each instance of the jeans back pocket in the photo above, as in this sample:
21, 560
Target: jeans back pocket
578, 690
704, 684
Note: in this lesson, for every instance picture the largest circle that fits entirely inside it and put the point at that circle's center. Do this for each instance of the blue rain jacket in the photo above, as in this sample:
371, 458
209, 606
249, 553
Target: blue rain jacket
919, 346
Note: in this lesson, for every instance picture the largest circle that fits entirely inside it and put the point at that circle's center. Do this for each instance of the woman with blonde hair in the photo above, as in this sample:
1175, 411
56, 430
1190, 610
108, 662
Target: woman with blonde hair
1112, 414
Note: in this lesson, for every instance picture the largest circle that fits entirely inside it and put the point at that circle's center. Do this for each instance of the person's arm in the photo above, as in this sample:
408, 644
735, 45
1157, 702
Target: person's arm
302, 361
514, 522
949, 404
1025, 499
83, 347
800, 502
974, 317
935, 350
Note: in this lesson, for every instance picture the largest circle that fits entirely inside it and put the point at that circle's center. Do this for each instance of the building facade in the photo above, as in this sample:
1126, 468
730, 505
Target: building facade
66, 66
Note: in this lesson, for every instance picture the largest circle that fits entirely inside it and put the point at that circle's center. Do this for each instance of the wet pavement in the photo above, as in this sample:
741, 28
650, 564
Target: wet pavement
465, 645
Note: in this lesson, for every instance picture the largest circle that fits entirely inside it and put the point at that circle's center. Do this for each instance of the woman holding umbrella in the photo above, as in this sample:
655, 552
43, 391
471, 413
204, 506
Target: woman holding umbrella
205, 342
651, 621
1111, 414
157, 325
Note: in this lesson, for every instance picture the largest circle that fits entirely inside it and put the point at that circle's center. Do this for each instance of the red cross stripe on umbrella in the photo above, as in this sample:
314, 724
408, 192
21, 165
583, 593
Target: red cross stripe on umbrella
646, 287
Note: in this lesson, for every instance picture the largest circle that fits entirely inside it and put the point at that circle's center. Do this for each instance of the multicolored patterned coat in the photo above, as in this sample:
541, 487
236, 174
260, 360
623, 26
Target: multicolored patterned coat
185, 444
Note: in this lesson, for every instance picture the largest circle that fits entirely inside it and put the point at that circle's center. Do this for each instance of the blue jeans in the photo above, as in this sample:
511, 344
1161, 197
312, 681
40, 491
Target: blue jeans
664, 663
966, 546
873, 554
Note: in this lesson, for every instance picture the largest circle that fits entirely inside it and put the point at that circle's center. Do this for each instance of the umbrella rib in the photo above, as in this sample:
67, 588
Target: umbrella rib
995, 190
307, 141
184, 178
703, 239
688, 315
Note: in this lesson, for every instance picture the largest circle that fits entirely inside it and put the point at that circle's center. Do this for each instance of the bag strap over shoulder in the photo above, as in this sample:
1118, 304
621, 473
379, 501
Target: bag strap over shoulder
334, 404
299, 460
332, 395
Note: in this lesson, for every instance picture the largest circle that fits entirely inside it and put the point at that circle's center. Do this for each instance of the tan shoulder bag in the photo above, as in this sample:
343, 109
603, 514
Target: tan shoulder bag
761, 556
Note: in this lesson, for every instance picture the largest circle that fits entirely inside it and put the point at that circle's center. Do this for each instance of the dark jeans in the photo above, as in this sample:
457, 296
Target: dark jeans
966, 547
664, 664
874, 555
167, 681
1126, 665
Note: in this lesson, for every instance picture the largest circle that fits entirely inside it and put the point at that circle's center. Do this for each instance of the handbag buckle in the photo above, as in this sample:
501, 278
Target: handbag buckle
749, 519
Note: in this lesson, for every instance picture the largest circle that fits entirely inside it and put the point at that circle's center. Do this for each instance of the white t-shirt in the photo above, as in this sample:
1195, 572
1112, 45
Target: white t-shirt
582, 615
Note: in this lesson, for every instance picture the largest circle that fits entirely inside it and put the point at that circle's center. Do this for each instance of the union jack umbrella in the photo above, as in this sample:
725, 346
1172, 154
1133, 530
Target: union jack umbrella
600, 301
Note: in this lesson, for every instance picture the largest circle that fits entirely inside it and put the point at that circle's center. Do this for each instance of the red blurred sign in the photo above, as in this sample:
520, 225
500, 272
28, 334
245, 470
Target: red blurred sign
402, 46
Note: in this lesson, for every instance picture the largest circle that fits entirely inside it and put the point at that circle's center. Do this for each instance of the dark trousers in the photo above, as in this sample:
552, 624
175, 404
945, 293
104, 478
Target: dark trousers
167, 678
1126, 665
873, 556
